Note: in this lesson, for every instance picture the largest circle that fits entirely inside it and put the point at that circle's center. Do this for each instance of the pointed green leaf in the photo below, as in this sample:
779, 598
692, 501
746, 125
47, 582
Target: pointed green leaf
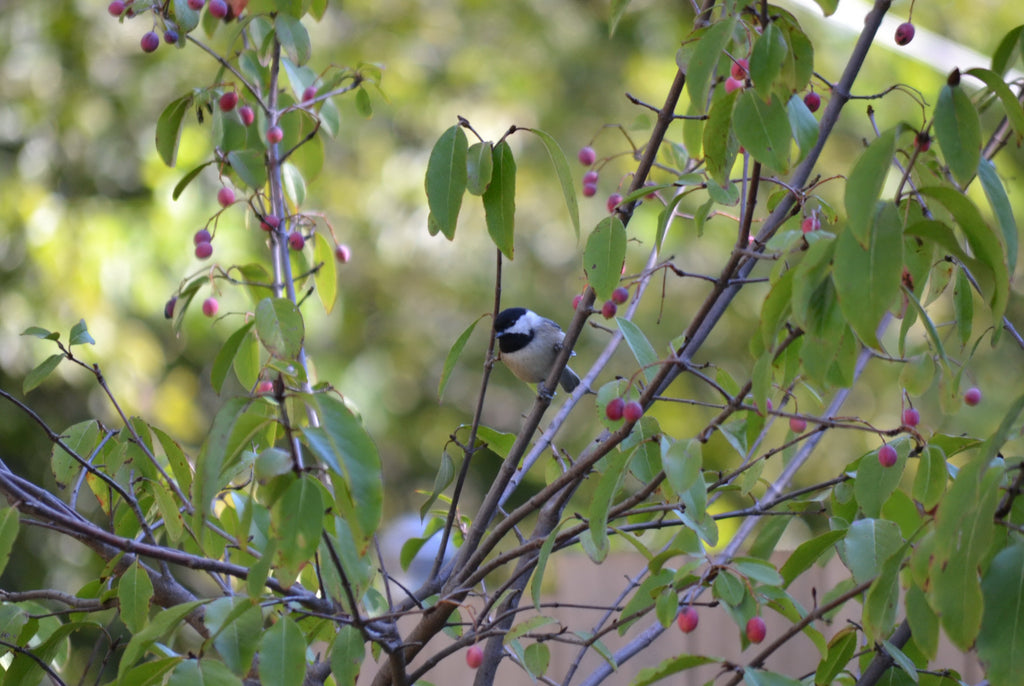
601, 503
670, 666
1001, 641
963, 307
682, 463
808, 553
226, 356
704, 59
348, 651
134, 593
500, 200
293, 38
280, 328
250, 167
1007, 51
180, 187
720, 144
882, 599
803, 124
1000, 202
453, 356
924, 624
296, 520
479, 165
564, 177
40, 372
868, 544
641, 348
446, 180
283, 654
763, 129
80, 334
326, 277
617, 10
604, 255
766, 59
9, 524
537, 580
162, 624
864, 185
1012, 106
168, 129
958, 130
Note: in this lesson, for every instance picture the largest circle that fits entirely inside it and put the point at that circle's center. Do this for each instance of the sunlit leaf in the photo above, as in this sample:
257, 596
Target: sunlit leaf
604, 255
500, 200
446, 180
864, 184
958, 130
564, 177
763, 129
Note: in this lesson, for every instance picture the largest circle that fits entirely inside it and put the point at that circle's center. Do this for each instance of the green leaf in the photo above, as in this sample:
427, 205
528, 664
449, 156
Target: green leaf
867, 545
757, 677
9, 524
280, 328
766, 59
1012, 106
249, 165
537, 580
326, 277
536, 658
226, 356
1000, 202
296, 520
601, 503
882, 599
704, 59
958, 130
604, 256
293, 38
763, 129
867, 275
931, 477
40, 372
347, 655
479, 166
963, 306
642, 349
500, 200
828, 7
134, 593
236, 624
162, 624
864, 185
807, 553
617, 10
720, 144
670, 666
901, 660
802, 124
168, 129
39, 332
444, 477
294, 183
875, 483
453, 356
728, 588
1007, 51
564, 177
185, 17
363, 104
80, 334
180, 187
924, 624
761, 571
283, 654
1001, 640
840, 652
682, 463
446, 180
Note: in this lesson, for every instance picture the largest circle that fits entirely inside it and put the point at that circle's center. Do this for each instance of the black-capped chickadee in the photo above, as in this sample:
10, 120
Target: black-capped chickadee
529, 345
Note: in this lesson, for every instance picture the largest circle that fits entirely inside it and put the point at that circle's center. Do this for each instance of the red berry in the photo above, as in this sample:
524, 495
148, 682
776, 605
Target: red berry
342, 253
756, 630
620, 295
218, 8
474, 656
809, 224
210, 307
576, 301
813, 101
587, 156
590, 177
150, 41
732, 84
923, 141
589, 190
296, 241
196, 4
887, 455
228, 101
225, 196
687, 619
269, 223
247, 115
613, 201
115, 8
202, 236
274, 134
204, 250
740, 69
169, 307
265, 386
972, 397
911, 417
904, 33
609, 309
797, 425
633, 411
613, 410
309, 93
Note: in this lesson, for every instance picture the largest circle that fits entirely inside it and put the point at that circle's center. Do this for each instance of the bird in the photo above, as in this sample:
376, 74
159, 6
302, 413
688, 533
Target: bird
529, 344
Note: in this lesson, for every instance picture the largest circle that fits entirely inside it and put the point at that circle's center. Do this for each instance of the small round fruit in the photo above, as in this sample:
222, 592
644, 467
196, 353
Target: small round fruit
620, 295
756, 630
270, 222
609, 309
809, 224
218, 8
911, 417
228, 101
196, 4
169, 307
342, 253
150, 41
797, 425
590, 177
274, 134
296, 241
887, 455
474, 656
309, 93
587, 156
614, 409
687, 619
170, 36
740, 69
813, 101
904, 33
589, 190
633, 411
210, 307
972, 397
116, 8
732, 84
204, 250
247, 115
613, 201
202, 236
225, 196
265, 386
576, 302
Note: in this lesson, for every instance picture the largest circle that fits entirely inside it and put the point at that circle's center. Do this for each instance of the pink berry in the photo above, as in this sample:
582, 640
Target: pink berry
150, 41
633, 411
756, 630
813, 101
309, 93
887, 455
274, 134
342, 254
589, 190
590, 177
587, 156
687, 619
218, 8
296, 241
265, 387
740, 69
614, 409
613, 201
809, 224
576, 301
225, 196
269, 223
202, 236
732, 84
797, 425
620, 295
474, 656
204, 249
210, 307
196, 4
115, 8
911, 417
609, 309
972, 397
247, 115
228, 101
904, 33
169, 307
